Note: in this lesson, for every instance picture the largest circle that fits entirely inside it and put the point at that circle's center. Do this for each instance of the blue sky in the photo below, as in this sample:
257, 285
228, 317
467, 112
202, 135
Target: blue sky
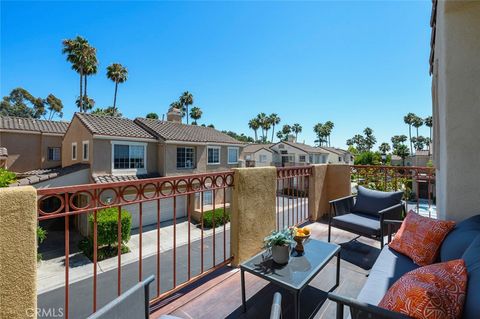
355, 63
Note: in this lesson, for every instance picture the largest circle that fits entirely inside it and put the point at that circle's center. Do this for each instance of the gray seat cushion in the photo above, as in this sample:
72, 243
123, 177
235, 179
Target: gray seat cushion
370, 201
458, 240
358, 223
388, 268
471, 308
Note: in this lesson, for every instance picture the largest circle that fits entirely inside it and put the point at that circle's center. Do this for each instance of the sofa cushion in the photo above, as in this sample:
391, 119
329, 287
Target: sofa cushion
433, 291
471, 256
460, 238
389, 266
370, 201
420, 238
362, 223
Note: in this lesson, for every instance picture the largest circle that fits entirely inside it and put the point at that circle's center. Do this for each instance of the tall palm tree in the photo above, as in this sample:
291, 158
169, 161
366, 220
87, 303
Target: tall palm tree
118, 74
274, 120
90, 68
262, 119
266, 126
177, 105
297, 129
329, 127
320, 131
186, 99
429, 124
384, 148
417, 123
408, 119
402, 151
254, 125
195, 114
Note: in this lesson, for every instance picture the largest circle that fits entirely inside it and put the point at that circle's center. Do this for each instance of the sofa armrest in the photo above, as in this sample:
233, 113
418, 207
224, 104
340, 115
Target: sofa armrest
362, 310
392, 226
341, 205
394, 212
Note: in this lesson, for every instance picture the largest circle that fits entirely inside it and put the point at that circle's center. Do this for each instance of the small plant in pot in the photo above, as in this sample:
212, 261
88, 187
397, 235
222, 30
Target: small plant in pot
279, 243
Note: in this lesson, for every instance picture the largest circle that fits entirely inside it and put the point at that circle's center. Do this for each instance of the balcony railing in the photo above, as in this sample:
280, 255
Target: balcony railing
180, 258
292, 195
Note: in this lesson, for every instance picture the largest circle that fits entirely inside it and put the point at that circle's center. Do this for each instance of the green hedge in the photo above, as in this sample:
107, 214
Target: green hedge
107, 226
218, 215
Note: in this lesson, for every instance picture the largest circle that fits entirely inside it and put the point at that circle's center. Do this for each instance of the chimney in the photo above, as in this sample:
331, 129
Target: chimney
174, 115
291, 138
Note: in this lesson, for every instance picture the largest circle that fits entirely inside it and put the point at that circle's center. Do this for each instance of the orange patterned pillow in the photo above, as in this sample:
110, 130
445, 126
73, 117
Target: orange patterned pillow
431, 292
420, 237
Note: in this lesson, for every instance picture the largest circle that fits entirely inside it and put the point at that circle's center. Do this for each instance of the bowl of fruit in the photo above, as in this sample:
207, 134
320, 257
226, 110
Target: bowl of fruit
300, 235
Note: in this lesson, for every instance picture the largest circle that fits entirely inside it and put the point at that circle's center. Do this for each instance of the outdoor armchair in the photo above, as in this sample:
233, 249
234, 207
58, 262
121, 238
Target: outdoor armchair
364, 214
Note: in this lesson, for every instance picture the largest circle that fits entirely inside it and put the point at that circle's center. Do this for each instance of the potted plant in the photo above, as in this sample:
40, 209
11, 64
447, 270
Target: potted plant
279, 243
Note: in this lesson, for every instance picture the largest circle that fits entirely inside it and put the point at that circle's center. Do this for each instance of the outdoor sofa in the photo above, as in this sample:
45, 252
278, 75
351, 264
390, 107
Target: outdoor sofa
363, 214
462, 242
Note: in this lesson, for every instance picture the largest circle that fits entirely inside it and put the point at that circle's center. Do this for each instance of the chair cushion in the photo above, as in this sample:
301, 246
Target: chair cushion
420, 238
433, 291
370, 201
361, 223
460, 238
388, 268
471, 256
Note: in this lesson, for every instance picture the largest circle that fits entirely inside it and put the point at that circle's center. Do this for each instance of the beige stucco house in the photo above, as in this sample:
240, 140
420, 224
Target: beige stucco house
257, 155
31, 144
289, 153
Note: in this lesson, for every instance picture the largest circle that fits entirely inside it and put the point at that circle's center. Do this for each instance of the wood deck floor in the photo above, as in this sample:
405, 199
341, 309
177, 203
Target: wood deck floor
220, 295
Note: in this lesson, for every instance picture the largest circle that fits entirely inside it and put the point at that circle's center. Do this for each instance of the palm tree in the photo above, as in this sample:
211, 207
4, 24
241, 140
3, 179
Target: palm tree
91, 64
408, 119
319, 129
384, 148
328, 129
280, 135
177, 105
417, 123
429, 124
254, 125
152, 115
262, 119
186, 99
296, 128
274, 120
370, 140
195, 114
402, 151
266, 126
118, 74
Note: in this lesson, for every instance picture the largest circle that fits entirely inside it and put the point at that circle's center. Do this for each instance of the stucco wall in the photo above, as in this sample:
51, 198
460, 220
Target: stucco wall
18, 252
456, 100
24, 150
50, 141
78, 133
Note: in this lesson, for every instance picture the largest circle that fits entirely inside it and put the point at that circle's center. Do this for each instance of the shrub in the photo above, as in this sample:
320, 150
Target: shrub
218, 216
6, 177
41, 236
107, 226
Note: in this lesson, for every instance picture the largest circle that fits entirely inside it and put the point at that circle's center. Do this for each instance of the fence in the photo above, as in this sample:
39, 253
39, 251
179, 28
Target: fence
176, 239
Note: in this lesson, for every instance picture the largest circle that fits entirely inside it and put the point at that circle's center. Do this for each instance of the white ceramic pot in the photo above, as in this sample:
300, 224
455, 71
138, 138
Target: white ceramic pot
281, 254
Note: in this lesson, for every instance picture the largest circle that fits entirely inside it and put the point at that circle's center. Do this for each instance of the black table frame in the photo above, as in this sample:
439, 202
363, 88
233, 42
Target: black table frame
296, 292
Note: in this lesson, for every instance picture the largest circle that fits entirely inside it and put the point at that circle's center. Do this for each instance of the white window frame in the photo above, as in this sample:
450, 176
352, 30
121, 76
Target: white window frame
219, 155
129, 171
53, 154
300, 158
194, 163
74, 145
236, 149
87, 143
262, 156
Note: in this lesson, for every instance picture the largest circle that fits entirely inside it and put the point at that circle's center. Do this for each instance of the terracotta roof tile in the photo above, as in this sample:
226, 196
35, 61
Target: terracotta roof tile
3, 152
121, 178
32, 125
112, 126
40, 175
172, 131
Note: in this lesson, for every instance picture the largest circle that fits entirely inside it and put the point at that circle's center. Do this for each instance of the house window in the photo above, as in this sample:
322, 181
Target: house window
302, 158
232, 155
129, 156
185, 157
310, 159
74, 151
54, 153
213, 155
207, 198
339, 159
263, 158
85, 150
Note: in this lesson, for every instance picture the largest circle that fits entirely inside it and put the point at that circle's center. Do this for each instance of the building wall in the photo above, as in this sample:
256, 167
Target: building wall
76, 133
456, 108
256, 157
277, 157
29, 151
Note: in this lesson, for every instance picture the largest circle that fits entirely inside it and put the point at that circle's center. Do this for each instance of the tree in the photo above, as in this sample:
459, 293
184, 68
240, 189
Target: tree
360, 143
384, 148
280, 136
419, 142
211, 125
242, 137
118, 74
23, 104
408, 119
266, 126
262, 120
296, 128
286, 130
152, 115
109, 111
429, 124
177, 105
328, 130
87, 104
54, 106
402, 151
195, 114
254, 125
186, 99
370, 140
319, 130
417, 123
274, 120
83, 58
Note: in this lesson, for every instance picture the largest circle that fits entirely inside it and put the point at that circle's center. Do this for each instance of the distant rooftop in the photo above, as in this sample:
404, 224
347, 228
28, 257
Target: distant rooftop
12, 123
304, 147
99, 179
253, 148
112, 126
3, 152
41, 175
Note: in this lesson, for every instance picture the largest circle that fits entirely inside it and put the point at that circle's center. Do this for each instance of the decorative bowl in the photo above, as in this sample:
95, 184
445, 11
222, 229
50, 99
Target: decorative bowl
299, 239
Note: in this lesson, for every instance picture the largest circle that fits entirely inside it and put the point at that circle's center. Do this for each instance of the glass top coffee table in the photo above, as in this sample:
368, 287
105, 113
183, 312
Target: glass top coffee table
295, 275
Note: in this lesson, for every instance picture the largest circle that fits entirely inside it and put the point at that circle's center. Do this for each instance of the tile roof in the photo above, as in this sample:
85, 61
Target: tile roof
3, 152
253, 148
99, 179
32, 125
304, 147
112, 126
334, 150
172, 131
422, 153
41, 175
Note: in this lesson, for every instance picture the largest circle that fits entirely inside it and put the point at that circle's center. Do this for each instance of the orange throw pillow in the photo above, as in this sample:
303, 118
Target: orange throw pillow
431, 292
420, 238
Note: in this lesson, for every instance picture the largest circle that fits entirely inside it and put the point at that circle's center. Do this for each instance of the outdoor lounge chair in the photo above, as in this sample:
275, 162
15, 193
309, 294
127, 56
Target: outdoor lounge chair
133, 303
364, 213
